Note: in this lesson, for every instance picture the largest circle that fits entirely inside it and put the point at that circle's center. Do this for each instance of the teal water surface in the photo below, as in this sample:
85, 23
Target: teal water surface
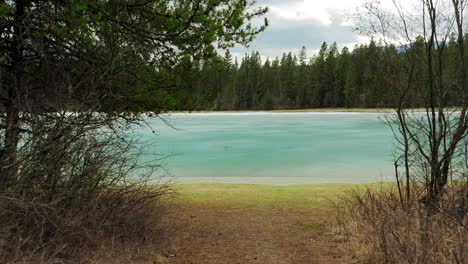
273, 148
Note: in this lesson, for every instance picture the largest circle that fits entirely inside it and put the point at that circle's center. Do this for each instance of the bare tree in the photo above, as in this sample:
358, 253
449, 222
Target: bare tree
419, 49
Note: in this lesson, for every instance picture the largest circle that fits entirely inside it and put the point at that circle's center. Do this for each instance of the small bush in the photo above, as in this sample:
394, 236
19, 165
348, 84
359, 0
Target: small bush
37, 232
79, 186
380, 229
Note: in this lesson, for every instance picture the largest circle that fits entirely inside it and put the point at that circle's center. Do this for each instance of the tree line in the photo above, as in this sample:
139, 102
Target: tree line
332, 78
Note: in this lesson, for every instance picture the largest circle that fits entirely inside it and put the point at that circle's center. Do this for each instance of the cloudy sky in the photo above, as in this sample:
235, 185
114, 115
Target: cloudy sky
297, 23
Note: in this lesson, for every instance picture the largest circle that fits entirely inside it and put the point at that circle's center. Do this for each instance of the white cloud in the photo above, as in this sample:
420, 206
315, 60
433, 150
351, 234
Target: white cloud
328, 11
325, 12
360, 40
297, 23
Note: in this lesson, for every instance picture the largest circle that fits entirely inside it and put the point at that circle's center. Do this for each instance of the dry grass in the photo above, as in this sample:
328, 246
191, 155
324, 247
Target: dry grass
380, 230
118, 221
241, 223
201, 223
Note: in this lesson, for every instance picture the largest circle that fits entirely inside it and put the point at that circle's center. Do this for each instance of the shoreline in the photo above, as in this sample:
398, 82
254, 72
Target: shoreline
275, 181
302, 111
309, 110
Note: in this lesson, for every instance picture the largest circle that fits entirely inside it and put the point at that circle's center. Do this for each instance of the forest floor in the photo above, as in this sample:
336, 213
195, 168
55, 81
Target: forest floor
241, 223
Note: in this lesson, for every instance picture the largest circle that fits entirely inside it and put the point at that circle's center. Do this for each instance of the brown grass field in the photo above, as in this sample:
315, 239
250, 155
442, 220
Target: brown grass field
237, 223
297, 224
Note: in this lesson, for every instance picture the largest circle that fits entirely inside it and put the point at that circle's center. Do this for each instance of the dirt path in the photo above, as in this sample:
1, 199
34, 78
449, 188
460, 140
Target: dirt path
272, 236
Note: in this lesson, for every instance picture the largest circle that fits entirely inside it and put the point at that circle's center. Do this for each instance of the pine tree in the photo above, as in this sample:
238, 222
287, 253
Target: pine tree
302, 83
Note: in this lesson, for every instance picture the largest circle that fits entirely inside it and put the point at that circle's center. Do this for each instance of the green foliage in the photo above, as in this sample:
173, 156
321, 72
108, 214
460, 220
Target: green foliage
332, 78
4, 9
130, 49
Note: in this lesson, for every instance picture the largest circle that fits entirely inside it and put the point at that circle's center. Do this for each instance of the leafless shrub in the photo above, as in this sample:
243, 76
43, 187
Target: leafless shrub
379, 229
35, 232
80, 185
424, 218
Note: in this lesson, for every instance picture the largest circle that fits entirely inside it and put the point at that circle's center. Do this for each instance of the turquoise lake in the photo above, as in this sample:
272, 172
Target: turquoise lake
273, 148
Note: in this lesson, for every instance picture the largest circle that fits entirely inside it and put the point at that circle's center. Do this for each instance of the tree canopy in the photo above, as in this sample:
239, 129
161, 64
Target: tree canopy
103, 55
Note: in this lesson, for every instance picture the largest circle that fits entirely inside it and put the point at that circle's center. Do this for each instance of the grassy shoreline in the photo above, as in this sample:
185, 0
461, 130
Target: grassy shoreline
311, 110
315, 110
260, 195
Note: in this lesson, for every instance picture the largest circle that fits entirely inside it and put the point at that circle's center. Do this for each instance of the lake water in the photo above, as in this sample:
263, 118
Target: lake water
273, 148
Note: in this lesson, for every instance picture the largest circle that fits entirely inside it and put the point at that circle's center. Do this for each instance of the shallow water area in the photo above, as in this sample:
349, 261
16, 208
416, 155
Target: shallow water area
272, 147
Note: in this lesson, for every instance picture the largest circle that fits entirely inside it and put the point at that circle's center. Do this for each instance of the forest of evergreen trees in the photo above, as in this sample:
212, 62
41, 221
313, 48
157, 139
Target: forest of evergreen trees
331, 78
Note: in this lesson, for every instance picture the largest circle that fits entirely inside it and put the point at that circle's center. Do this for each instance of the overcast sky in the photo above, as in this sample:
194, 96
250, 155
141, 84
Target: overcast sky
297, 23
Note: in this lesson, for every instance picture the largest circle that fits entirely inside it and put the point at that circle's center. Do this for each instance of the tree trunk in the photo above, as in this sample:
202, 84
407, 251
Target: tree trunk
8, 155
